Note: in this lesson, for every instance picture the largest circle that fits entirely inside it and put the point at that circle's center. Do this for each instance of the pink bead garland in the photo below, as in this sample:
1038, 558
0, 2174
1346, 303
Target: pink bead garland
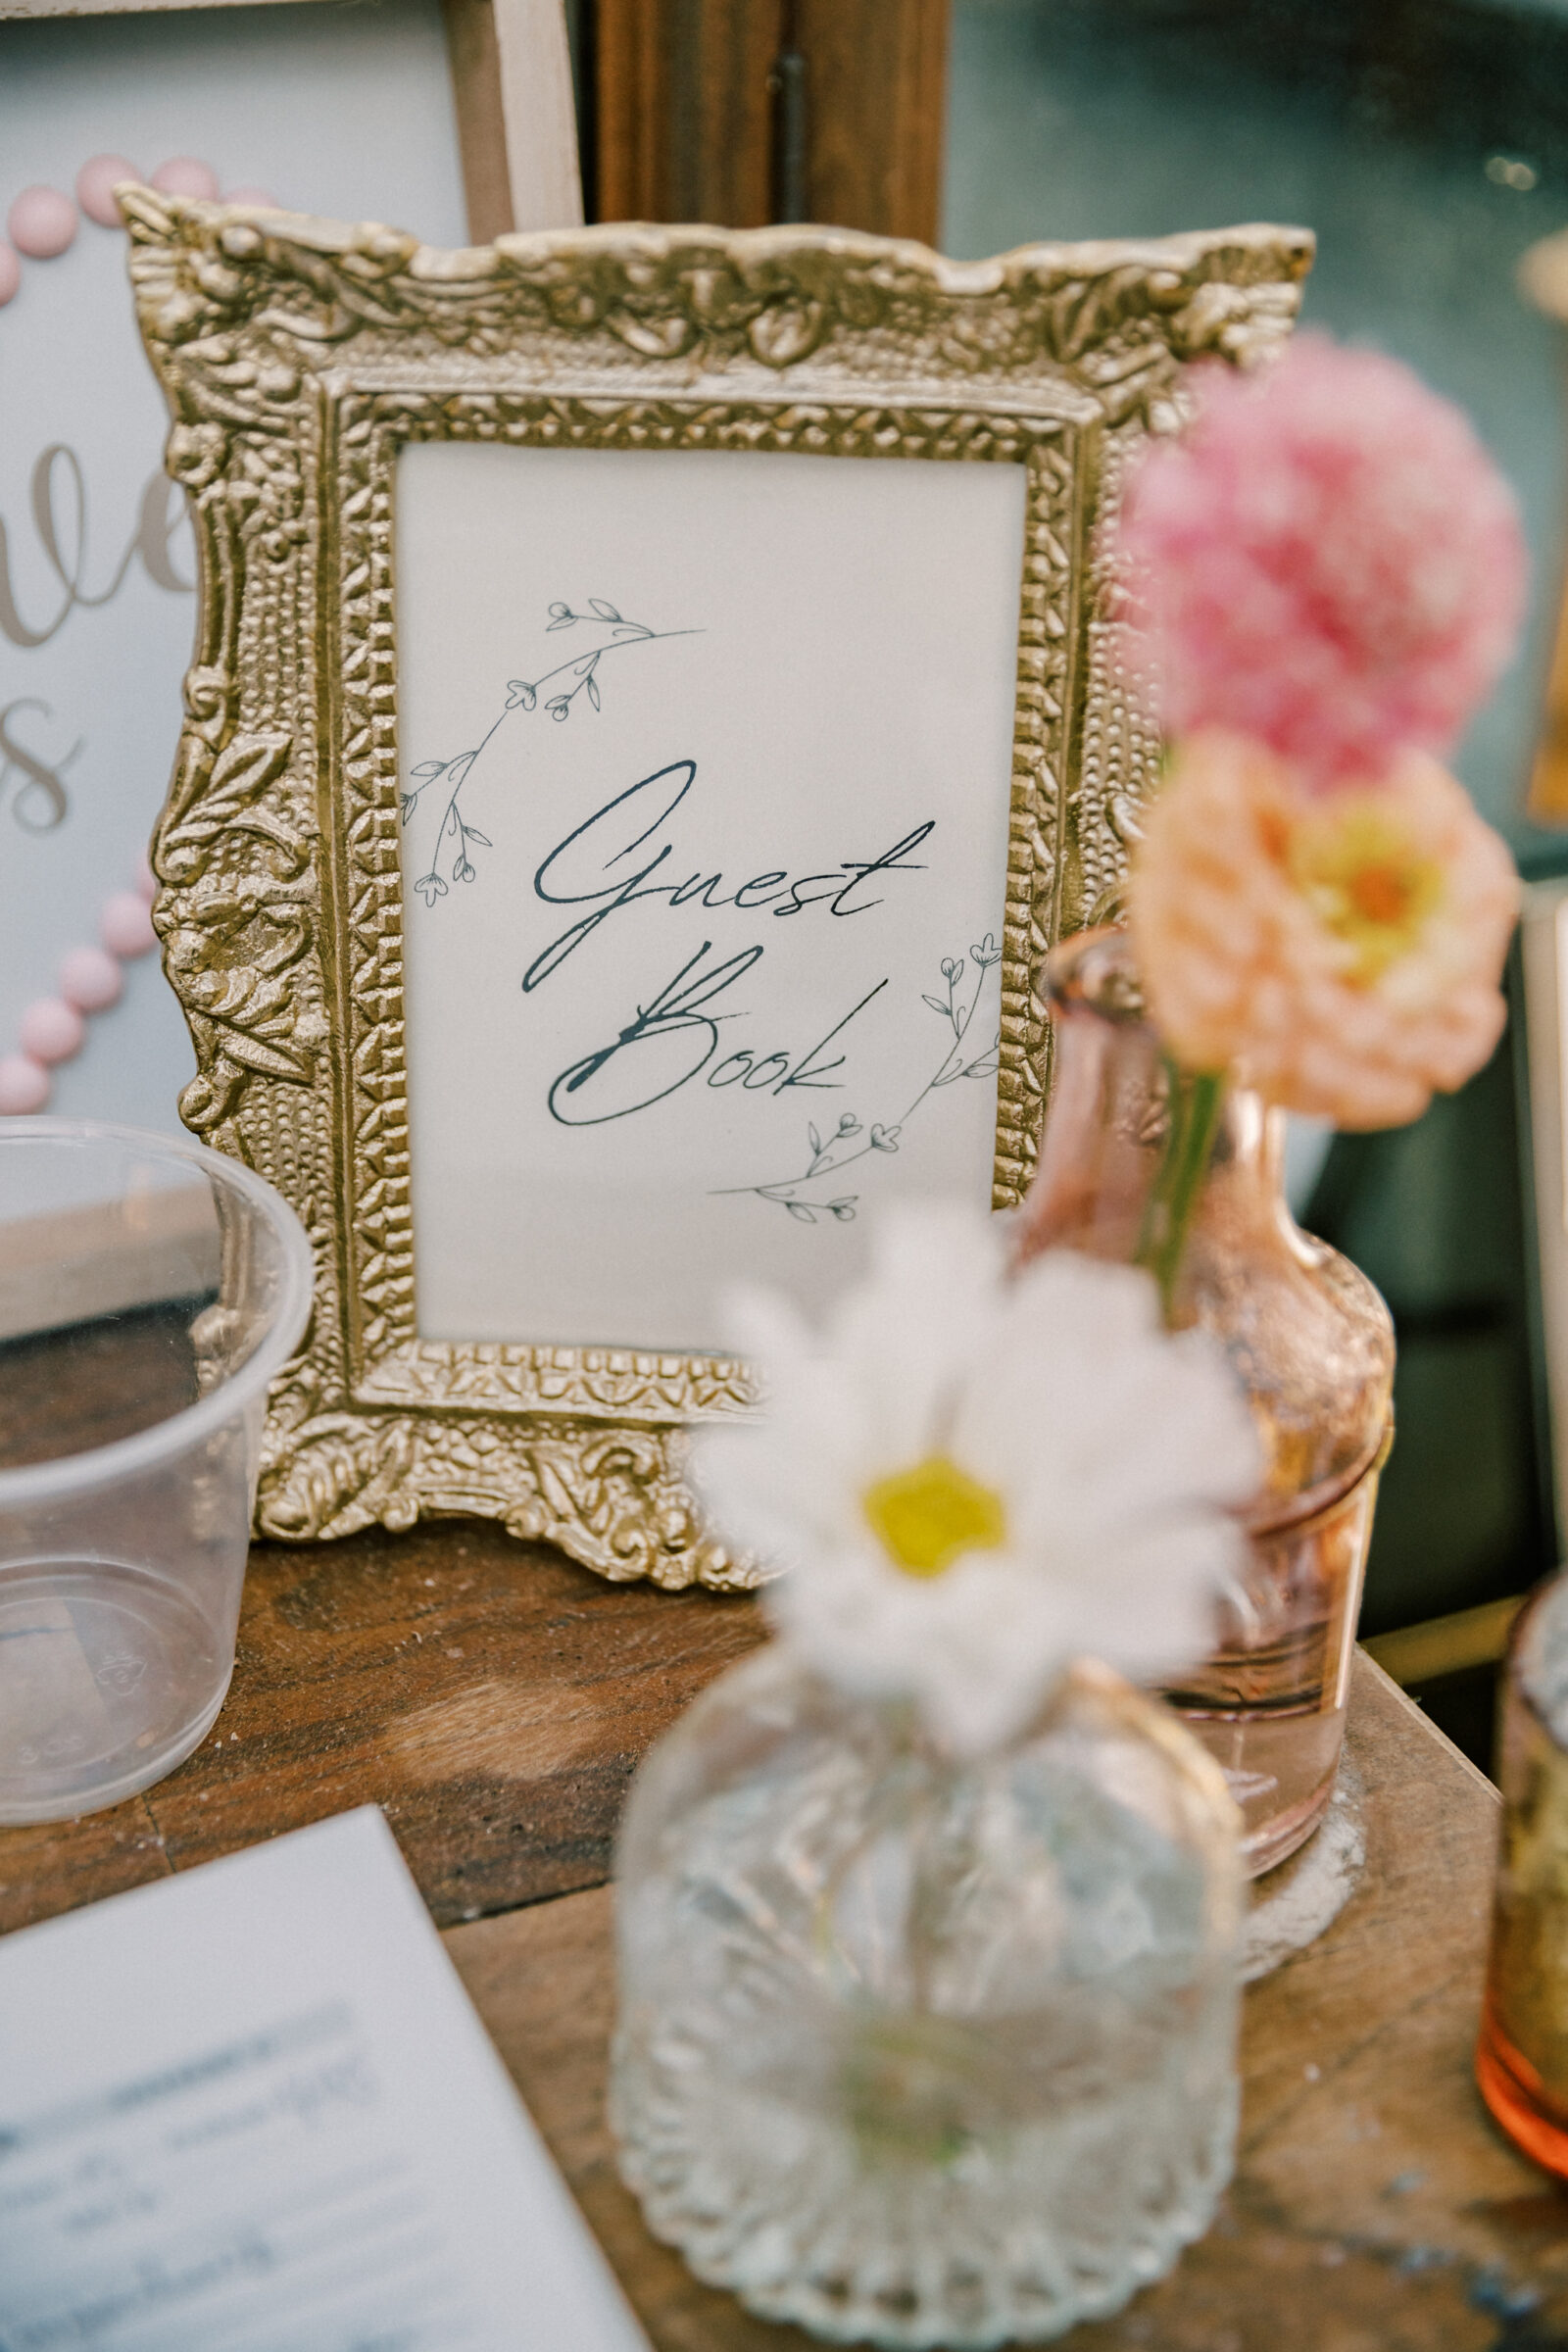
90, 978
24, 1086
51, 1030
185, 175
125, 926
95, 187
42, 223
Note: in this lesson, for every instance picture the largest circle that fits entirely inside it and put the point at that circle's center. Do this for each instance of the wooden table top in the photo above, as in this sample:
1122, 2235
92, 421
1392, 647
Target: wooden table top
490, 1695
495, 1698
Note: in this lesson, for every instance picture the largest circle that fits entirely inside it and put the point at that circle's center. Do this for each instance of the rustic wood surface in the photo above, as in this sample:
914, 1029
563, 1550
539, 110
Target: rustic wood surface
490, 1695
495, 1699
876, 112
1375, 2208
684, 114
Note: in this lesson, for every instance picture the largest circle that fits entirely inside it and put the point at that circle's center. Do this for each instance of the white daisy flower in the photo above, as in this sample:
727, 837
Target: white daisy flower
970, 1479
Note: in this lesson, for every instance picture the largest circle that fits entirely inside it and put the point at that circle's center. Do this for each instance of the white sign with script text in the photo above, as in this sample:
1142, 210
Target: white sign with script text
705, 763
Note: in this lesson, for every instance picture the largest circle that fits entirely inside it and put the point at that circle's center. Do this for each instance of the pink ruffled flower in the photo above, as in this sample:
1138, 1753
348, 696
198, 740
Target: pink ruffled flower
1341, 954
1327, 560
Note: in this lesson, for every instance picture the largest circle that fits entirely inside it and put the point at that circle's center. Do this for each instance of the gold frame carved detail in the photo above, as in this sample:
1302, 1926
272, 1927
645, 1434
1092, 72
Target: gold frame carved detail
298, 355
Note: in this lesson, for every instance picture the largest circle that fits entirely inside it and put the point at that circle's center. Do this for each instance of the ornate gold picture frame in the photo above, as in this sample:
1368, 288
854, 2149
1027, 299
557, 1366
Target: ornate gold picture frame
299, 357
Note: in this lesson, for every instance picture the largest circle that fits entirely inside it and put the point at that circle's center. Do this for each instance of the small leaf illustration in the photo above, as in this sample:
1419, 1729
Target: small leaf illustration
461, 767
472, 833
428, 769
844, 1209
797, 1208
592, 690
604, 611
816, 1140
935, 1004
407, 802
520, 695
986, 1065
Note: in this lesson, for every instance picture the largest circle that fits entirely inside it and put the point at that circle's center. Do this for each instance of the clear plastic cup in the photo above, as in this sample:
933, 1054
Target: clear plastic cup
149, 1290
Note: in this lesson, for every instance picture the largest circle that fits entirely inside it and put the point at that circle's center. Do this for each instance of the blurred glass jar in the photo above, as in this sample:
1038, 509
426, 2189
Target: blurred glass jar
1522, 2058
1311, 1341
918, 2050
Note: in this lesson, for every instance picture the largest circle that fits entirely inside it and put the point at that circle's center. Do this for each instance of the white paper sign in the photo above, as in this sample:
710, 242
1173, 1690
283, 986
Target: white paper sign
706, 762
251, 2110
344, 111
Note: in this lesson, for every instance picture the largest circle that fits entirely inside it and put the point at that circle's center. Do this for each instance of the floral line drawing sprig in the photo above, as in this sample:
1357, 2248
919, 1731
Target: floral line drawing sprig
852, 1139
523, 694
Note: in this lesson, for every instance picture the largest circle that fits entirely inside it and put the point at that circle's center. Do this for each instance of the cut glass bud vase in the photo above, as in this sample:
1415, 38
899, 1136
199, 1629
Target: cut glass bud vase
1306, 1334
920, 2051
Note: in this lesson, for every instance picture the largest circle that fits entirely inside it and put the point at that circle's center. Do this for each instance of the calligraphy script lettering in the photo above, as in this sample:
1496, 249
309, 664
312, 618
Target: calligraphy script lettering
57, 497
43, 787
597, 839
673, 1038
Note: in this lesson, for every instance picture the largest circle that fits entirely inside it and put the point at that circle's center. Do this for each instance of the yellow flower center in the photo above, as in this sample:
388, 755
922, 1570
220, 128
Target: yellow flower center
926, 1516
1367, 881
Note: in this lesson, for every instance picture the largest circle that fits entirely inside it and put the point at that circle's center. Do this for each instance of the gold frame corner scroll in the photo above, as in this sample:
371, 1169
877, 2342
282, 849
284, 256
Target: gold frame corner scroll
298, 357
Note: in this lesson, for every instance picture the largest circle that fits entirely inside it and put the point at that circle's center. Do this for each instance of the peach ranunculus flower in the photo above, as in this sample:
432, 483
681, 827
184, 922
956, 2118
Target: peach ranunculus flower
1338, 951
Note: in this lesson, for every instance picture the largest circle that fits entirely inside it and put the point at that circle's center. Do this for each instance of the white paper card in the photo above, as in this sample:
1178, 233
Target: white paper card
342, 110
706, 760
251, 2110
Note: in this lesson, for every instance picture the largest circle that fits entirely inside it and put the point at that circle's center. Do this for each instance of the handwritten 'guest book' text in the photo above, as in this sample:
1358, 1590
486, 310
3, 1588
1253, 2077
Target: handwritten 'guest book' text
704, 788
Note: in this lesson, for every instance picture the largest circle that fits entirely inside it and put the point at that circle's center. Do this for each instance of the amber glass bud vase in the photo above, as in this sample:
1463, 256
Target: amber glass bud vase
1522, 2060
1309, 1336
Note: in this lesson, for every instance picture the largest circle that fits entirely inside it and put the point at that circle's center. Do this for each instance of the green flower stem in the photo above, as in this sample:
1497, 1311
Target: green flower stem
1195, 1100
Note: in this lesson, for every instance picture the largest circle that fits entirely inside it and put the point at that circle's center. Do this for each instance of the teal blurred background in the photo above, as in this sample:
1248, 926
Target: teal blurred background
1426, 143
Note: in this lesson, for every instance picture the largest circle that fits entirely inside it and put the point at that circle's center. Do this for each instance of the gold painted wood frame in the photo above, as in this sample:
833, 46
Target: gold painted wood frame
299, 357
